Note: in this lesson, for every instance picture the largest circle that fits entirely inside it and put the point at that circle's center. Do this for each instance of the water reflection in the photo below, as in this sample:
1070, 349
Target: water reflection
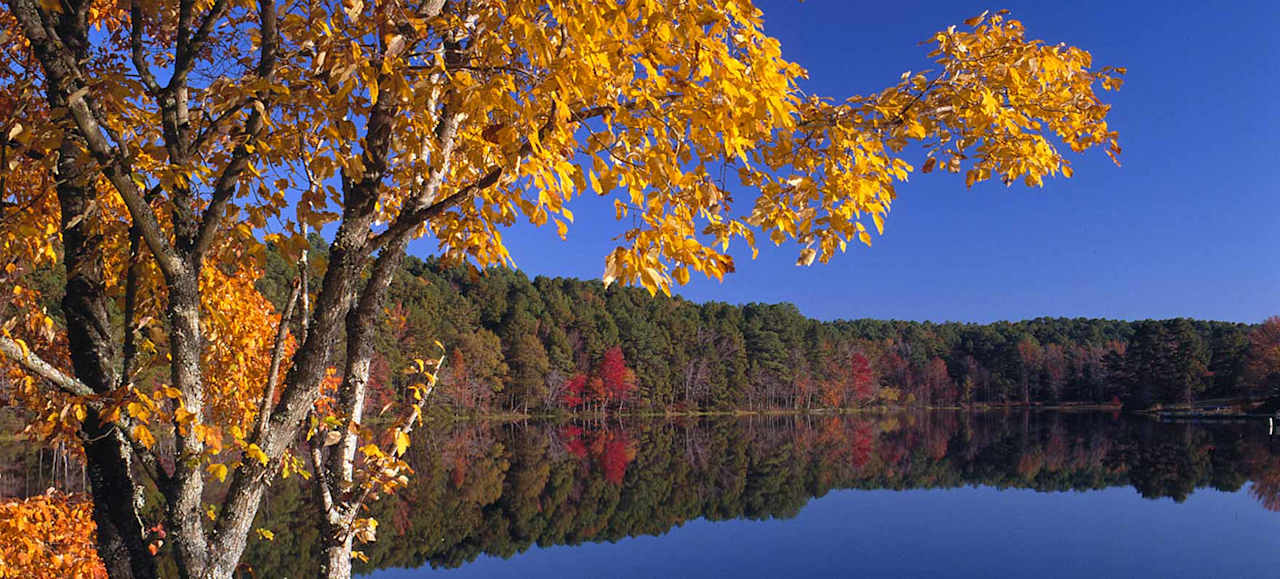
500, 489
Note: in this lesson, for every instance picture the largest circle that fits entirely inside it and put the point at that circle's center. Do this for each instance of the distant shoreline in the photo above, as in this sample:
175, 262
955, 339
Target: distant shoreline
1233, 409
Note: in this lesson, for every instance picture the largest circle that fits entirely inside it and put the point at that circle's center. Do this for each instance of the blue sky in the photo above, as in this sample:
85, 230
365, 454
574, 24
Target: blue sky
1188, 226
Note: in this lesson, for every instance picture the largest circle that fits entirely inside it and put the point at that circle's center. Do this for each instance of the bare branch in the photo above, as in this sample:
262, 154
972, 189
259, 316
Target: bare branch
224, 188
277, 356
189, 45
139, 55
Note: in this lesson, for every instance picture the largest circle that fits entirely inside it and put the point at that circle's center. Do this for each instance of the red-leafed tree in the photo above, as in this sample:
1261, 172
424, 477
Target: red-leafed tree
618, 380
895, 370
610, 382
575, 391
862, 378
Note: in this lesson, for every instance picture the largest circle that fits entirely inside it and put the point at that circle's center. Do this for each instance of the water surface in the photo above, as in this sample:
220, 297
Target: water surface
940, 494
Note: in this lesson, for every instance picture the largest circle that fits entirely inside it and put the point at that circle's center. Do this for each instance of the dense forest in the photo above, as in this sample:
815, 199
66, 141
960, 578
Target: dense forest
554, 343
500, 489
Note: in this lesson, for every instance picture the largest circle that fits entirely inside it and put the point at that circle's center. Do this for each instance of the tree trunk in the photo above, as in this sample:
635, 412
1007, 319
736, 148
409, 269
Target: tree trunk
338, 556
340, 465
117, 496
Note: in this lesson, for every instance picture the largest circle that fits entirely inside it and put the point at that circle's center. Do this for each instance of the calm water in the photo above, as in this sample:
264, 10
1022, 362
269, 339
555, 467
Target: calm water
940, 494
917, 495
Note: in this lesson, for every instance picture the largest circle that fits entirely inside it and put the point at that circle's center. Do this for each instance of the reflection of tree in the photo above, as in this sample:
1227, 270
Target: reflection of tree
1265, 474
611, 450
500, 489
1169, 462
1267, 490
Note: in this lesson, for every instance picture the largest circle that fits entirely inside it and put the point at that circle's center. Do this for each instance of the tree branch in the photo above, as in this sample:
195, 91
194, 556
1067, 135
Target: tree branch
138, 54
36, 365
67, 90
277, 356
413, 217
224, 188
189, 45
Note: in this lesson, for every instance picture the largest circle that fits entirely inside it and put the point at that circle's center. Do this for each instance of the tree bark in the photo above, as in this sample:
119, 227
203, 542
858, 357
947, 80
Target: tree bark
337, 556
117, 495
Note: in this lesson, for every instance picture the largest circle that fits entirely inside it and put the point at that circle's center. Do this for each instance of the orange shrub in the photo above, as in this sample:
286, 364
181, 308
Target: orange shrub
49, 535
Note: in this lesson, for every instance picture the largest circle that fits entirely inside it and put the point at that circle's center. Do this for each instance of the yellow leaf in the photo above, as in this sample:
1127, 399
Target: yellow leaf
807, 256
402, 442
143, 436
256, 453
218, 470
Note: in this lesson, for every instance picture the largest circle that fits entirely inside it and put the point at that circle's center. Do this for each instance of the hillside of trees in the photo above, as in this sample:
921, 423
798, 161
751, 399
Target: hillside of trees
549, 344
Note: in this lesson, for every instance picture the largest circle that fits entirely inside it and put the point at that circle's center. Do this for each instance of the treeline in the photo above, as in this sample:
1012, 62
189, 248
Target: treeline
500, 489
550, 343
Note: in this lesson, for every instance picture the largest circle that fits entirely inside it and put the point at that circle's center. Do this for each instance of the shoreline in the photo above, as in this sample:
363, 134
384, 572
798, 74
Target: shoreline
518, 416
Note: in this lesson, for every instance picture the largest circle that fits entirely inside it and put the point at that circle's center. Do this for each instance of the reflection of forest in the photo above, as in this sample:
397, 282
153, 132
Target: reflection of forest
501, 488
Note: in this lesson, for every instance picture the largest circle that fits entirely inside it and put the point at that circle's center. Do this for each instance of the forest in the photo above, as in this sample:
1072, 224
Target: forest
556, 344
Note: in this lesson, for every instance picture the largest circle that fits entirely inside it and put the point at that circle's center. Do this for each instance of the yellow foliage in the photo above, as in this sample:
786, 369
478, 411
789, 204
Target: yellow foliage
652, 103
487, 113
658, 105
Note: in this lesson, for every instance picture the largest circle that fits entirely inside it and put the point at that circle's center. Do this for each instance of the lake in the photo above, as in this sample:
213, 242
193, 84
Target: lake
928, 494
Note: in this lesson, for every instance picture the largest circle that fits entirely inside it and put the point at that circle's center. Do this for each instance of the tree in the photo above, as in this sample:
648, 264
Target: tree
151, 149
1262, 366
937, 385
1190, 359
618, 380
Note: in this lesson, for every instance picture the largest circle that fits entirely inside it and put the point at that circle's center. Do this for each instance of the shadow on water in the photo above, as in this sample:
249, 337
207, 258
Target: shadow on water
500, 489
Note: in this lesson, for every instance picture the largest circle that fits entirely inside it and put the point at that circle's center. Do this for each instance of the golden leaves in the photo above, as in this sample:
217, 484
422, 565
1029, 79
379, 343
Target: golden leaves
517, 107
252, 451
993, 108
218, 470
143, 435
401, 442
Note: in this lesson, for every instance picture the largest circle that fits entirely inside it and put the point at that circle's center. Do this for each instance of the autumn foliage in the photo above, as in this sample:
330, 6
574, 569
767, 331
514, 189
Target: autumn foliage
608, 450
610, 382
152, 151
1263, 364
48, 536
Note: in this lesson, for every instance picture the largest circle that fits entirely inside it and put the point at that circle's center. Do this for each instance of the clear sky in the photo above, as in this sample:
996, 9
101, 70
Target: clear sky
1188, 226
